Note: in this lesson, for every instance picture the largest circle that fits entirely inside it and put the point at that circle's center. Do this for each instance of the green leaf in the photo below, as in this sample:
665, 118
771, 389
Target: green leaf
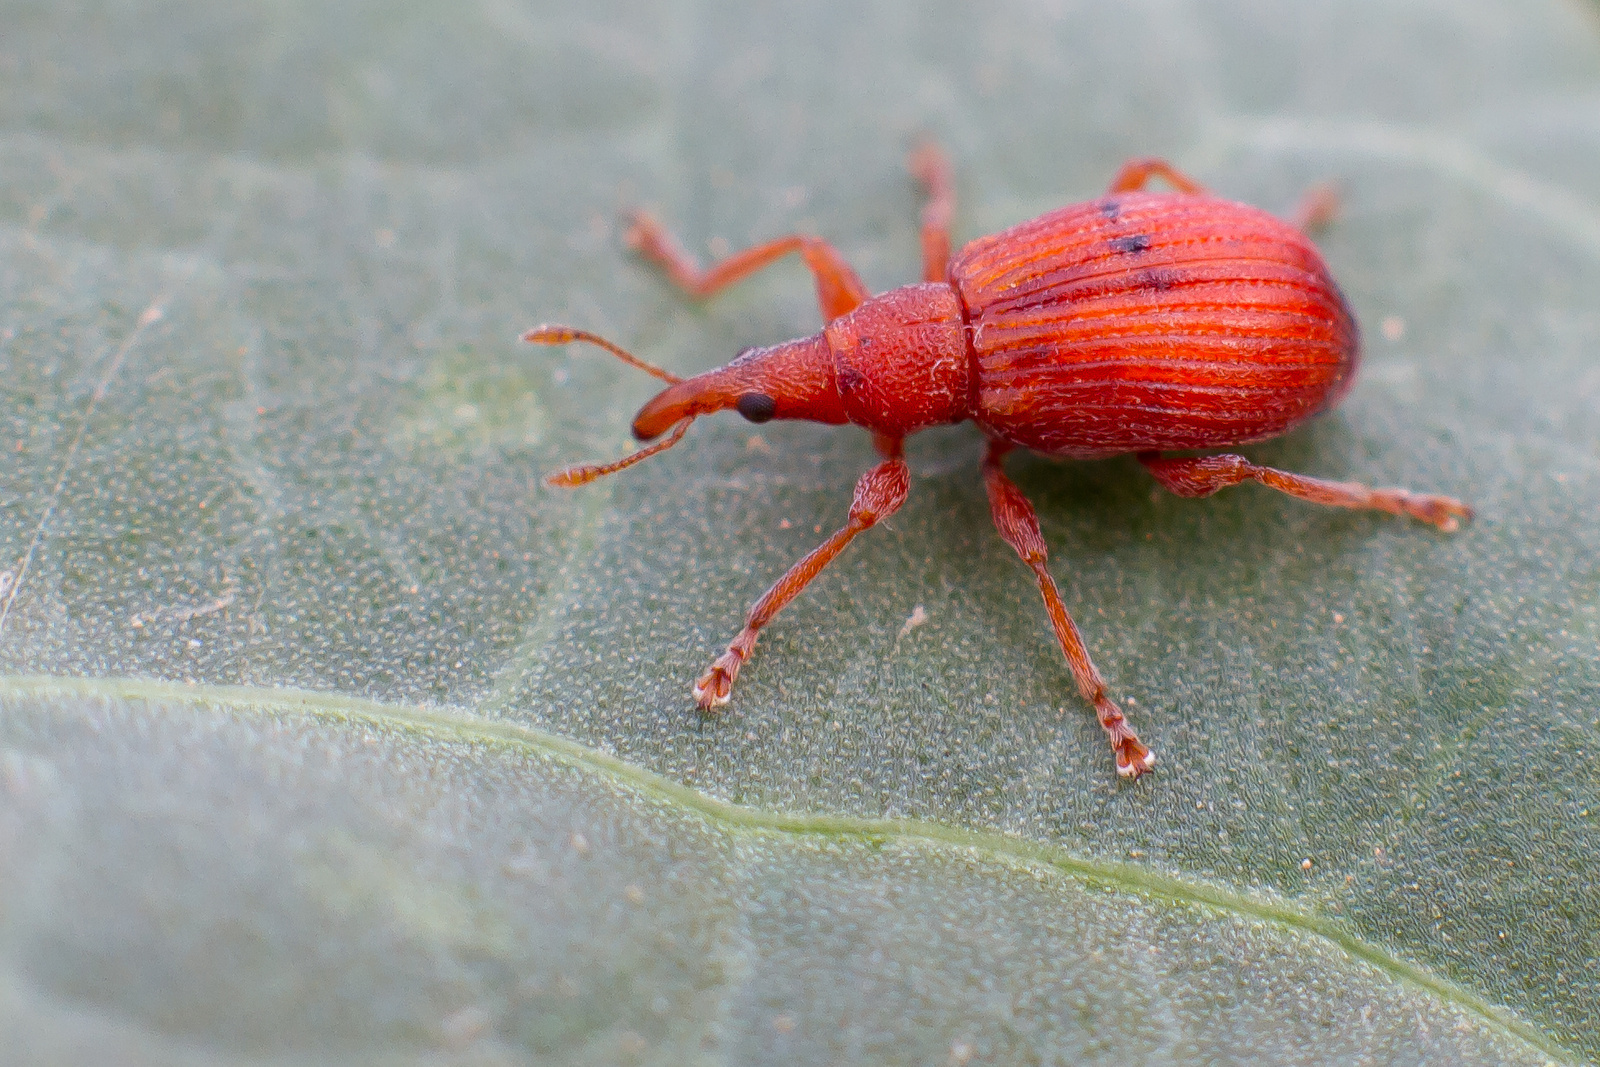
328, 731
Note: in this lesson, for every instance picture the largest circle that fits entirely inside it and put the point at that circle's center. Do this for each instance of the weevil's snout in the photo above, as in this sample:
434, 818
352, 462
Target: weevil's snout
793, 380
686, 400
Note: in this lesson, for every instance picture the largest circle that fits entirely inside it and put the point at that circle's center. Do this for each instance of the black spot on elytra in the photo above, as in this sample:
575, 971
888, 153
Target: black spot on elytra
850, 380
1136, 242
1156, 280
1110, 207
757, 407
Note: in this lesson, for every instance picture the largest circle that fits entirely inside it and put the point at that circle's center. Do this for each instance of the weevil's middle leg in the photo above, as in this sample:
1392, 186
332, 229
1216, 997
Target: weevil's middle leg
930, 166
1316, 208
1018, 524
1136, 174
839, 289
1204, 475
879, 494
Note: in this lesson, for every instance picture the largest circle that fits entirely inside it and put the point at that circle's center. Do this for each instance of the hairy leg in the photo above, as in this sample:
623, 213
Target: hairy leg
879, 494
1014, 517
1204, 475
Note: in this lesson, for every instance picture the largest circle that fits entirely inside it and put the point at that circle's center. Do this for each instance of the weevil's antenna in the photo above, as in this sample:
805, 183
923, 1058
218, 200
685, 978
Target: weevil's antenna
573, 477
553, 334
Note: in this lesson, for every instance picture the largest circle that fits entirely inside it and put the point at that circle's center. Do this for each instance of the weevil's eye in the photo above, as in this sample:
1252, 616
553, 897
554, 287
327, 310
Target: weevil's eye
757, 407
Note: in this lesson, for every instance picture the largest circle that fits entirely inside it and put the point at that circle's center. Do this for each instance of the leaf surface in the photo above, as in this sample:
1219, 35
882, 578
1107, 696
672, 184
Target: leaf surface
312, 687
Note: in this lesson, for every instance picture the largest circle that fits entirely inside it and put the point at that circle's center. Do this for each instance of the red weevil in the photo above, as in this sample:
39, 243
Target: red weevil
1139, 322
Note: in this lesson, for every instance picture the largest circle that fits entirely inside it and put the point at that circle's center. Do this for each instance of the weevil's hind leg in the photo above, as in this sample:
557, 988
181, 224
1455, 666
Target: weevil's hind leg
839, 289
879, 494
1204, 475
930, 166
1136, 174
1014, 517
1317, 208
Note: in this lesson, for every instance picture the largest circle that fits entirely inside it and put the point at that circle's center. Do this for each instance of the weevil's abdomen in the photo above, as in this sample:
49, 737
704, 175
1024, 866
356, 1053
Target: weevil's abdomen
1151, 321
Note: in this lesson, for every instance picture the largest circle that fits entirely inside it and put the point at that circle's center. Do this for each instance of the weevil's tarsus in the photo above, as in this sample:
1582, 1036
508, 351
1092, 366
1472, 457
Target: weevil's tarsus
553, 334
1018, 524
879, 494
1204, 475
573, 477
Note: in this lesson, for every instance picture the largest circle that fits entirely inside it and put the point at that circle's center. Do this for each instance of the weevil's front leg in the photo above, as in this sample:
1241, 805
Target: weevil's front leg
1014, 517
839, 289
1136, 174
879, 494
930, 166
1204, 475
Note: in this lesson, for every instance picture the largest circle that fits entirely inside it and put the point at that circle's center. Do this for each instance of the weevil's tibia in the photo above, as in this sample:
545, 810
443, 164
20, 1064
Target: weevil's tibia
1204, 475
1018, 524
879, 494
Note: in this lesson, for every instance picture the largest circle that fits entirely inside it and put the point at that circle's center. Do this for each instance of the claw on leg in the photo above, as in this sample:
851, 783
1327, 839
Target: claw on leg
1445, 512
716, 685
1133, 756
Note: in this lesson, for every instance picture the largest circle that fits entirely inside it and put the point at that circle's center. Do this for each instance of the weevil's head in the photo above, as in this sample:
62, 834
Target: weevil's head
794, 380
895, 365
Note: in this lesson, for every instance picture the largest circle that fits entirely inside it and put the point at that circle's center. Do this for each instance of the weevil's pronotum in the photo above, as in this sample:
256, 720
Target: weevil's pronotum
1140, 322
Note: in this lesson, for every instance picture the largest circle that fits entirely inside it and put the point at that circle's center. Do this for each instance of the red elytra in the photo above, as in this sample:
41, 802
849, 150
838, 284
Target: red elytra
1139, 322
